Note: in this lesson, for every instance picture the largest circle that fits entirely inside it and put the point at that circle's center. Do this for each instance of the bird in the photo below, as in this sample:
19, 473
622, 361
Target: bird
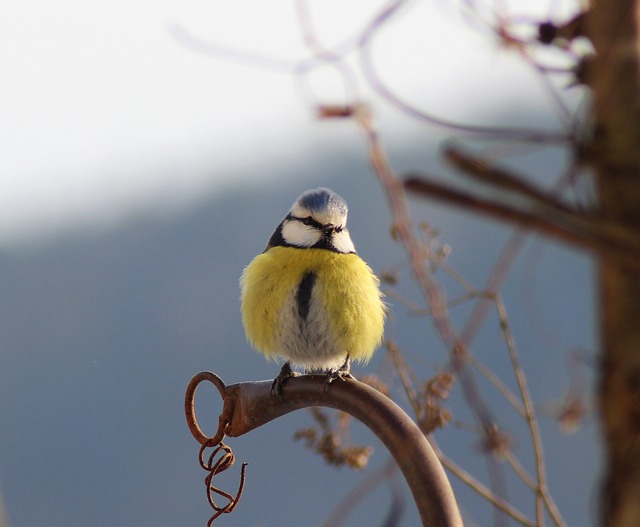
308, 298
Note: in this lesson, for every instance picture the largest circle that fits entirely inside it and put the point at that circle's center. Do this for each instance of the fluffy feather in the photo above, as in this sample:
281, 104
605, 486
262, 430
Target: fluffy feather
345, 312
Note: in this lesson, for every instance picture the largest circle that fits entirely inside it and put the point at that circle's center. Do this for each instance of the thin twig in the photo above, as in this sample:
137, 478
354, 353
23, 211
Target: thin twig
587, 234
474, 166
375, 81
413, 307
499, 384
532, 422
499, 273
528, 408
484, 491
403, 371
441, 316
430, 288
521, 471
504, 263
351, 500
419, 185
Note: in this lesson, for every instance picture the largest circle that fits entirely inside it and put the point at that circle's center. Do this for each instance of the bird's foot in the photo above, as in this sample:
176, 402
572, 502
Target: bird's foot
343, 373
285, 373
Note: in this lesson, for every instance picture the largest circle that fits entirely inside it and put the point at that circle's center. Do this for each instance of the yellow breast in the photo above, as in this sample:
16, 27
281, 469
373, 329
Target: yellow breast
345, 288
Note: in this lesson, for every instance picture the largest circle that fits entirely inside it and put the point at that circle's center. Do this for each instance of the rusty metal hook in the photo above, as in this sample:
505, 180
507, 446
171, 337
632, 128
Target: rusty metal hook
190, 411
248, 405
227, 459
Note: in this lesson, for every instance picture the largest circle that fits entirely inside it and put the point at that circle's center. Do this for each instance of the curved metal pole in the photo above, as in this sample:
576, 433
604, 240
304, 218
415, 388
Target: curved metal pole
249, 405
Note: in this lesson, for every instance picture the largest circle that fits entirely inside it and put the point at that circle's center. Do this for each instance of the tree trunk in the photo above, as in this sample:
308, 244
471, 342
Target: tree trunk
612, 26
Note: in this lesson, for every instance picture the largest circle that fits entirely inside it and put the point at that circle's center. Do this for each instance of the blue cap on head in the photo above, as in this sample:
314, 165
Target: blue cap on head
321, 199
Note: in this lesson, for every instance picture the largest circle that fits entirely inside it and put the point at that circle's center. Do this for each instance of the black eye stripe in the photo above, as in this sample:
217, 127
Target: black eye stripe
307, 221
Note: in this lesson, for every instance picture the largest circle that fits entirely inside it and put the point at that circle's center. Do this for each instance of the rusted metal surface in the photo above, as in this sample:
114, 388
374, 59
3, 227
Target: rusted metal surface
248, 405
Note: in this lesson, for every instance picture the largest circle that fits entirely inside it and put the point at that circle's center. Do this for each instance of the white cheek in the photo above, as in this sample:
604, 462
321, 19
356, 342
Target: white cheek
342, 242
297, 233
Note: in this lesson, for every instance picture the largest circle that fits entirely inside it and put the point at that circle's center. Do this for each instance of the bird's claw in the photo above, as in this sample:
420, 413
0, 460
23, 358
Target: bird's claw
285, 373
343, 373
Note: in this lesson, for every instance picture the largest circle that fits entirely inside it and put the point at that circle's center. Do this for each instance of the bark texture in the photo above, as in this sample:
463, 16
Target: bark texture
614, 77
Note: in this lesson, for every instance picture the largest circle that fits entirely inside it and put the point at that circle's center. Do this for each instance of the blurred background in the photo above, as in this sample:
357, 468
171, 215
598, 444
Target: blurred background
148, 151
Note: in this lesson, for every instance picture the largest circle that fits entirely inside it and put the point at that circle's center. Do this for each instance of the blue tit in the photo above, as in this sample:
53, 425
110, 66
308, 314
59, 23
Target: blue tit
309, 298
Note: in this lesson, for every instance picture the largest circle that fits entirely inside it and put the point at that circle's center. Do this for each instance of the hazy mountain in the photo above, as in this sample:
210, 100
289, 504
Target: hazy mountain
100, 333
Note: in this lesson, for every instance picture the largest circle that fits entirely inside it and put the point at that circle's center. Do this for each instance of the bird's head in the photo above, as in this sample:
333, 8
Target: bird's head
318, 219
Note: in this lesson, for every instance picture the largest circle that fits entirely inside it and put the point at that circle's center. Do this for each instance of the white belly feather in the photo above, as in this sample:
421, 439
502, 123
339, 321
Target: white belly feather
307, 342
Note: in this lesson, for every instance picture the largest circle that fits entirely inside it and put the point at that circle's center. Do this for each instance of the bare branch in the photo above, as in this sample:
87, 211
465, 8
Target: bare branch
583, 232
504, 180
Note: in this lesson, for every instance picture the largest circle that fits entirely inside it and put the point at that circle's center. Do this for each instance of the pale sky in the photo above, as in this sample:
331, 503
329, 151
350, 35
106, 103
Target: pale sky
103, 109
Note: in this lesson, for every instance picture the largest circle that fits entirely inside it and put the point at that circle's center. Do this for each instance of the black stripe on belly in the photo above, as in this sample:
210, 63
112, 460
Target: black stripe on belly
304, 294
